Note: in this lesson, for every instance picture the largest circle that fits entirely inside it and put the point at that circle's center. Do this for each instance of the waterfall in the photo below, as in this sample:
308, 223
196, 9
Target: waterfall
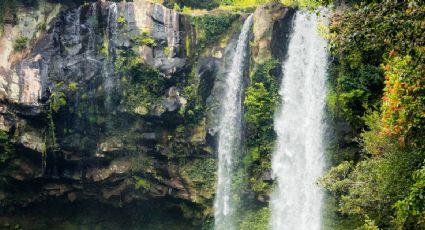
111, 23
229, 142
297, 160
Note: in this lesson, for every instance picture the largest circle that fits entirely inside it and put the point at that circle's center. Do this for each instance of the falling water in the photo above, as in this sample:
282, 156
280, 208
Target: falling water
109, 40
298, 158
111, 23
230, 132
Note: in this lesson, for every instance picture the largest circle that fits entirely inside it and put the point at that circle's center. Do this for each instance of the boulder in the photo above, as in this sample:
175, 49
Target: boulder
272, 23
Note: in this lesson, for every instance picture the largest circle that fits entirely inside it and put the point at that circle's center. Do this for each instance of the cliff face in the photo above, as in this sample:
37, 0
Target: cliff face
112, 102
96, 137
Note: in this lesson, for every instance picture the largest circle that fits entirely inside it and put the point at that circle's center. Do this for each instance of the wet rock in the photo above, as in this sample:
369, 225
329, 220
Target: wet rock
115, 167
266, 176
32, 140
72, 196
149, 136
263, 198
56, 189
110, 145
25, 170
173, 100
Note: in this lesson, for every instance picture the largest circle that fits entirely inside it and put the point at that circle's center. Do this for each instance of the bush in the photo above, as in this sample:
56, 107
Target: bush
143, 84
411, 209
144, 39
256, 220
6, 147
20, 43
211, 27
261, 100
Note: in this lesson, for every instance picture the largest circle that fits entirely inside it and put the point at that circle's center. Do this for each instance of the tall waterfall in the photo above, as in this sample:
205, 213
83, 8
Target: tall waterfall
298, 157
229, 142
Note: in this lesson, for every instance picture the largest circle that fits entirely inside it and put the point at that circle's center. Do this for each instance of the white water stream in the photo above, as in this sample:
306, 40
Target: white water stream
298, 161
229, 142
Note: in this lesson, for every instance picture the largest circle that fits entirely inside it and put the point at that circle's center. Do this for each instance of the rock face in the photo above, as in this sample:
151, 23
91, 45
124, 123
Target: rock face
83, 129
91, 146
272, 25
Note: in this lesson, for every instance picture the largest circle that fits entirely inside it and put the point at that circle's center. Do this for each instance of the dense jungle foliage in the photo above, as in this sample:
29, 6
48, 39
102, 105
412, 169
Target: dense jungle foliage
377, 79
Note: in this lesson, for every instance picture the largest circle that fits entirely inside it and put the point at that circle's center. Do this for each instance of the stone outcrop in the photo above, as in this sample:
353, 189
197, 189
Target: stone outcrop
272, 25
96, 152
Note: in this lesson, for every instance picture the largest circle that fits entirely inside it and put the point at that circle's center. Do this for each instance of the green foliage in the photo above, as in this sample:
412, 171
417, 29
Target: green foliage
261, 100
57, 100
368, 225
41, 26
142, 164
195, 109
144, 39
371, 187
6, 147
377, 86
141, 183
361, 39
256, 220
210, 27
20, 43
412, 208
167, 52
73, 86
200, 172
121, 21
200, 4
143, 84
403, 111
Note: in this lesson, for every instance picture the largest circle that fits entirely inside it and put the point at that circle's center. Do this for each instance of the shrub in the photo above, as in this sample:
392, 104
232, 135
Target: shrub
6, 147
121, 21
144, 39
211, 27
20, 43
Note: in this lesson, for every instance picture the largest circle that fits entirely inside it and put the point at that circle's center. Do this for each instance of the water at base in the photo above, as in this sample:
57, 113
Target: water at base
297, 160
230, 132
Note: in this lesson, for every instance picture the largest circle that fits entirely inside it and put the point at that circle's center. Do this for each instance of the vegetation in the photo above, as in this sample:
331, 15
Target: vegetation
144, 39
143, 85
141, 183
256, 220
210, 27
377, 86
20, 43
121, 21
201, 173
261, 100
6, 147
